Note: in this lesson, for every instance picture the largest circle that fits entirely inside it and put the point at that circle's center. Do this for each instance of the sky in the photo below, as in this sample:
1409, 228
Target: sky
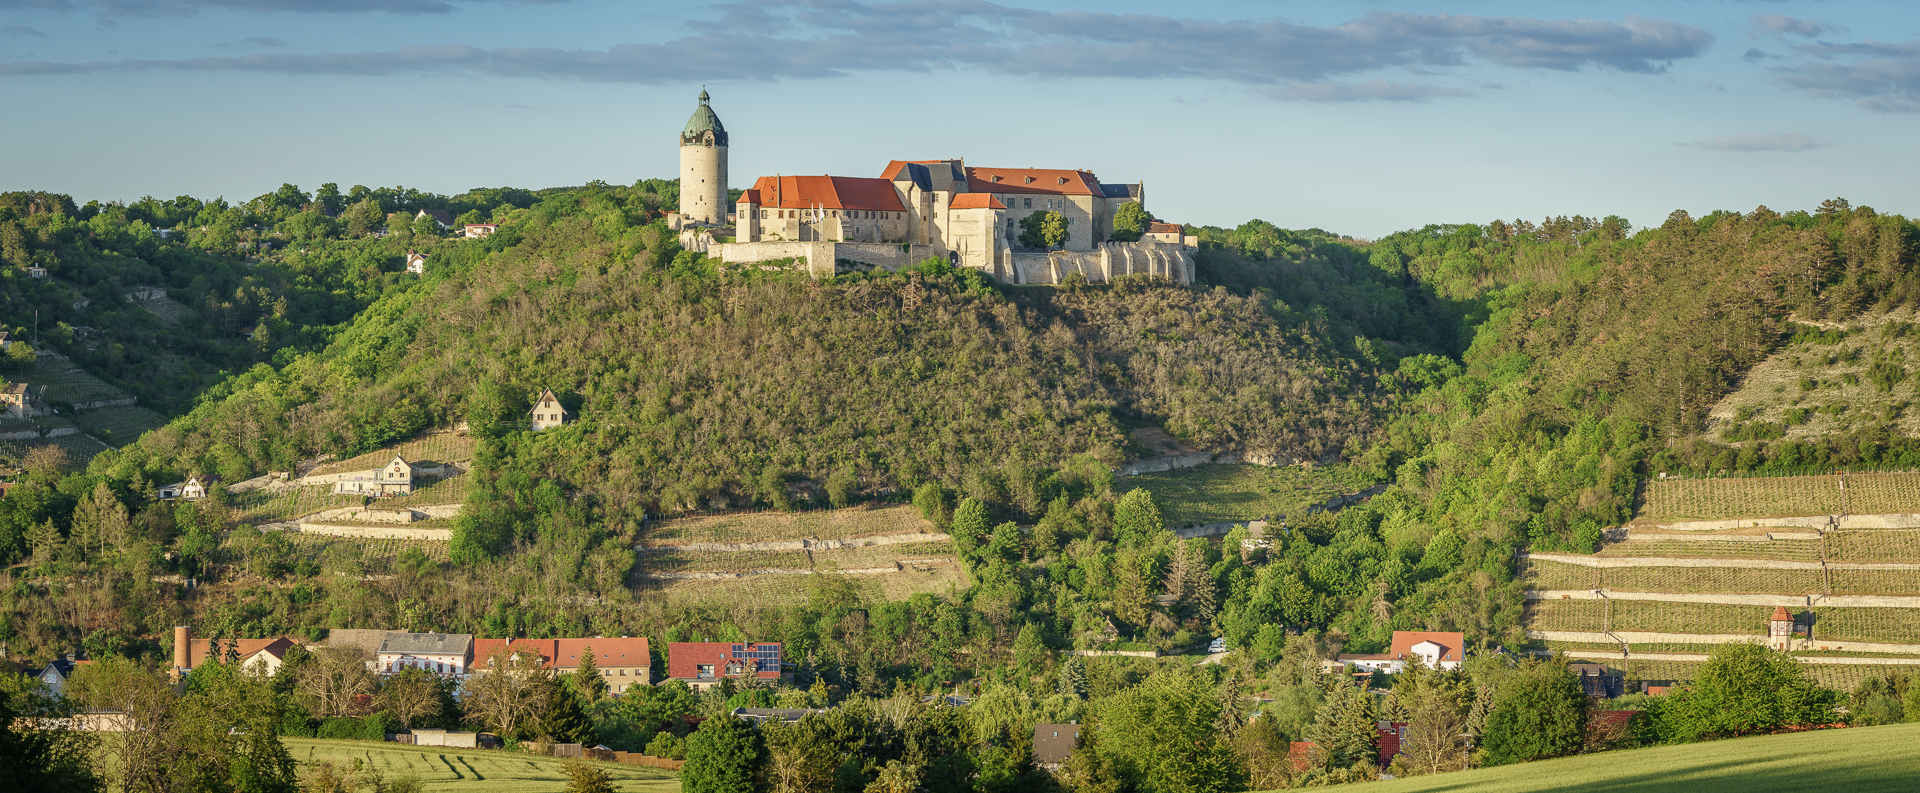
1361, 119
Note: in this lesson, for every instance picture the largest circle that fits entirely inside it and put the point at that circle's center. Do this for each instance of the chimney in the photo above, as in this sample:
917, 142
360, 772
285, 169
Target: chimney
182, 636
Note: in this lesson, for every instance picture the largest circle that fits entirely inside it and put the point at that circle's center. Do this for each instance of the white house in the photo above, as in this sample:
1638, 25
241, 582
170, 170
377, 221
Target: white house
1432, 649
477, 231
440, 653
58, 671
416, 263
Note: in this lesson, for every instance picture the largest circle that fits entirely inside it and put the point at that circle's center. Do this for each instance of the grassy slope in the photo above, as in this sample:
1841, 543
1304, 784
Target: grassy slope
454, 770
1244, 492
1864, 759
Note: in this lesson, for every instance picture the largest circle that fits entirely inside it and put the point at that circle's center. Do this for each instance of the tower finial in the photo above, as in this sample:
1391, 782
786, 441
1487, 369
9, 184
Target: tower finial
703, 95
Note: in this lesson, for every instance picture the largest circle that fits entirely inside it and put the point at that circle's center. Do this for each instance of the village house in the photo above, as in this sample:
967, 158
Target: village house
479, 231
58, 671
264, 656
416, 263
393, 479
623, 661
440, 216
36, 272
1596, 680
195, 487
6, 341
1170, 233
439, 653
703, 665
1054, 743
547, 411
20, 402
1432, 649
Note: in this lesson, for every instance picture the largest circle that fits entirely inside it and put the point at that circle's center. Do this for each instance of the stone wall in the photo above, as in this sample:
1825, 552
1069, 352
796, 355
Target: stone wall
1104, 263
822, 259
376, 532
1791, 601
1756, 564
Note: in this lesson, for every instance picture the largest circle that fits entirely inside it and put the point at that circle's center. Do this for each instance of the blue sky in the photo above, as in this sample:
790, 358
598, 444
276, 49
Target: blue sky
1357, 118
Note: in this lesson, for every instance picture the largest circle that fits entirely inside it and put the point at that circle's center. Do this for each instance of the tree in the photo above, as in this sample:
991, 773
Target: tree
1129, 222
934, 504
585, 777
1742, 689
411, 695
841, 485
1136, 519
651, 709
1539, 711
1343, 731
508, 691
1435, 705
333, 680
723, 756
1160, 736
563, 713
37, 749
1073, 677
971, 527
587, 678
1046, 229
802, 756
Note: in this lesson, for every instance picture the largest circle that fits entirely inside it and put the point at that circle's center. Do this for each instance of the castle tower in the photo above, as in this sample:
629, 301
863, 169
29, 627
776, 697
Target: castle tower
1780, 629
703, 167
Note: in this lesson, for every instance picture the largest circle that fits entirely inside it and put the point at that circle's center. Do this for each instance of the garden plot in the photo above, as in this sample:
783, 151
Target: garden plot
1893, 626
1718, 499
1649, 615
1783, 550
676, 560
1567, 615
1882, 494
1542, 574
459, 770
744, 527
880, 556
119, 426
1727, 580
1876, 582
274, 505
1213, 493
1874, 545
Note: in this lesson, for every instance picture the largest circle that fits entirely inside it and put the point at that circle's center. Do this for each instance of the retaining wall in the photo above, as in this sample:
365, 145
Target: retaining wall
376, 532
1751, 564
1651, 637
1792, 601
804, 544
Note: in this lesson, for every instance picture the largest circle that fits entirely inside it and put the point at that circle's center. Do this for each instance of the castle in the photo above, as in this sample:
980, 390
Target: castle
915, 209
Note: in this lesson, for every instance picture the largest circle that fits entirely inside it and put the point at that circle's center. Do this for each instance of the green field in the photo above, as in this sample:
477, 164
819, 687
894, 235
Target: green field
121, 425
452, 770
1862, 760
1211, 493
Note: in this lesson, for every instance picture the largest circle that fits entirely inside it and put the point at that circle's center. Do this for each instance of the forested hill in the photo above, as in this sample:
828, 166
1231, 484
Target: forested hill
697, 388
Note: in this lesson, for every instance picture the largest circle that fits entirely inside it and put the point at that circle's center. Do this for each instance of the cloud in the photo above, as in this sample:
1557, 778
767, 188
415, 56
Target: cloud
1777, 141
1782, 25
263, 41
21, 31
180, 8
762, 40
1883, 77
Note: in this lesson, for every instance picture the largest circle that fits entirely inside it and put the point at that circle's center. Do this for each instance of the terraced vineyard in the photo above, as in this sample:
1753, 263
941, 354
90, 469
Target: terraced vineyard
79, 448
1649, 590
1211, 493
436, 447
777, 526
119, 426
271, 506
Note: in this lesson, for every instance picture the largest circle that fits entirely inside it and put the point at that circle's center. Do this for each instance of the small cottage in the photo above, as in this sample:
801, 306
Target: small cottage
416, 263
547, 412
393, 479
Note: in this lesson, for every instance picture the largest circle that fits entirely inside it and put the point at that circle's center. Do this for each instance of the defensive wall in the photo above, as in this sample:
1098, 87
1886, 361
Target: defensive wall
1098, 266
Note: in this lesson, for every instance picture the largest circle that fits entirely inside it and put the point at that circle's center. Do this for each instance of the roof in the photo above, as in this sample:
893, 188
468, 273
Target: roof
565, 653
481, 226
546, 394
920, 172
1048, 181
784, 715
64, 666
16, 389
976, 201
427, 643
1121, 190
1452, 643
445, 217
1053, 743
828, 192
1158, 227
1780, 614
684, 658
749, 197
1592, 669
704, 120
198, 649
363, 639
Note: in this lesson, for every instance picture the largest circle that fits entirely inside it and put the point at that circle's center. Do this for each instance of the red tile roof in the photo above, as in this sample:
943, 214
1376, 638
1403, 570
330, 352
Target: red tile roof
1780, 614
976, 201
1048, 181
1452, 644
685, 658
828, 192
1157, 227
749, 197
1389, 739
564, 654
197, 649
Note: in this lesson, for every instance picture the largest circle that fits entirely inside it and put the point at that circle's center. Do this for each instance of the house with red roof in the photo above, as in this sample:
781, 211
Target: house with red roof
705, 664
623, 661
262, 655
1432, 649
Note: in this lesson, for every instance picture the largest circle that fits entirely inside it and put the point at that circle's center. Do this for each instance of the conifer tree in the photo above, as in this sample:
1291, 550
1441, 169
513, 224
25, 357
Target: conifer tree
1343, 730
1073, 677
1136, 519
587, 676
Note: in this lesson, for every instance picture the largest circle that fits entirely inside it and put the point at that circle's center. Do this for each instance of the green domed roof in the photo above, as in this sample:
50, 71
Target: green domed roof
704, 120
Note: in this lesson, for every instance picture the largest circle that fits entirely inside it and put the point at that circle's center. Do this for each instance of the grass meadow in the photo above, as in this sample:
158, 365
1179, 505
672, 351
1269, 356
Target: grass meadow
1859, 760
461, 770
1211, 493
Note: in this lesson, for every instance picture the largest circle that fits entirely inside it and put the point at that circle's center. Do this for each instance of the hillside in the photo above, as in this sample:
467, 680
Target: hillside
1707, 560
1866, 759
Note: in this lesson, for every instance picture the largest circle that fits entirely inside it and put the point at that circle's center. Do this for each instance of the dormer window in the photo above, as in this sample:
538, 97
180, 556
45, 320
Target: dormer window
996, 178
1063, 180
1028, 181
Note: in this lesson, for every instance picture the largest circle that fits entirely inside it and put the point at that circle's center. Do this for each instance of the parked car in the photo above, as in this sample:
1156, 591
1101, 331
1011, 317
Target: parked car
1217, 646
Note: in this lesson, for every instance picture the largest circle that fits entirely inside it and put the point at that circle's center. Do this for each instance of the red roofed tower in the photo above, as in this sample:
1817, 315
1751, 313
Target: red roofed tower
1780, 629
